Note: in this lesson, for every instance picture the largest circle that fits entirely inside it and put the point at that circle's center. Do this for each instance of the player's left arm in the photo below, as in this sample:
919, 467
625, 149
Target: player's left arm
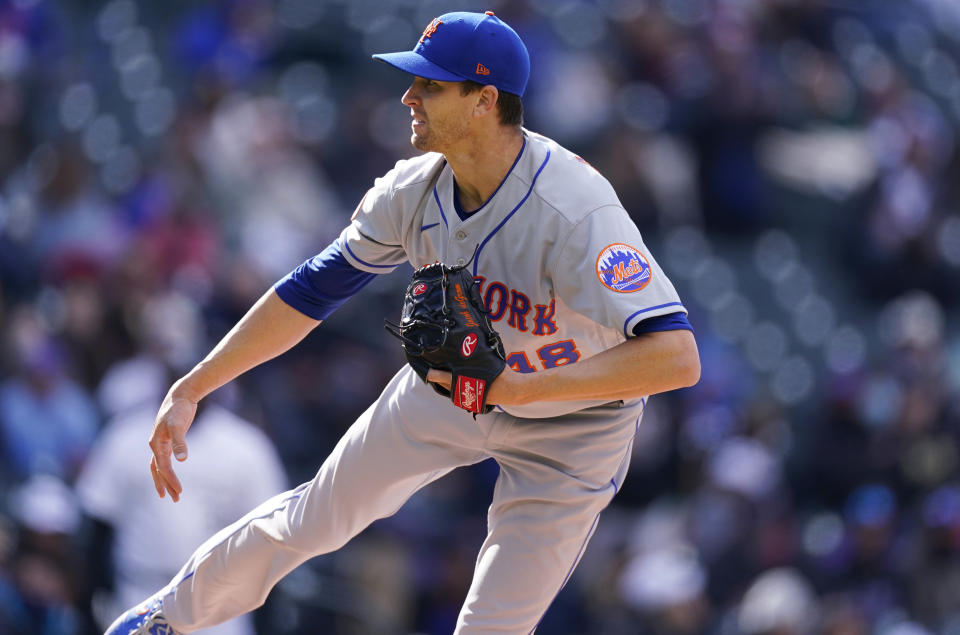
605, 272
644, 365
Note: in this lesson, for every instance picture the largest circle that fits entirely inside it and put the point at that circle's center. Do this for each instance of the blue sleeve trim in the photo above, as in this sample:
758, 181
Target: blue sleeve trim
321, 284
670, 322
361, 260
626, 322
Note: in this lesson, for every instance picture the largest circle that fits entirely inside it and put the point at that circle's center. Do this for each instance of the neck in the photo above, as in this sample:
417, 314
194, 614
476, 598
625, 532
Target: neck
481, 165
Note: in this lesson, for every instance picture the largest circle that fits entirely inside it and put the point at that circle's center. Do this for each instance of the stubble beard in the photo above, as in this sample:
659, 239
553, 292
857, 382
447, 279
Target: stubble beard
429, 141
420, 143
439, 137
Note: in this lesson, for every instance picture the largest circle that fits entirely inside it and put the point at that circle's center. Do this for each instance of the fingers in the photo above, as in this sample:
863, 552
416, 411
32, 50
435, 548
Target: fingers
441, 377
174, 419
164, 478
157, 479
179, 444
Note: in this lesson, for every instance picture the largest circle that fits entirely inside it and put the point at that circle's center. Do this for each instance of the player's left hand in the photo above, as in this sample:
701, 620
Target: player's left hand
508, 389
443, 324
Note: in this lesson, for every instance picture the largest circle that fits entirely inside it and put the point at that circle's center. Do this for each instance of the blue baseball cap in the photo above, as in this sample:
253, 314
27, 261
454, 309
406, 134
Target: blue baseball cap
462, 45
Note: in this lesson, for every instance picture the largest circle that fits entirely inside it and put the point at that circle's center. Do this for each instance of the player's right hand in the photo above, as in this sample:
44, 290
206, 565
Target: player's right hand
173, 420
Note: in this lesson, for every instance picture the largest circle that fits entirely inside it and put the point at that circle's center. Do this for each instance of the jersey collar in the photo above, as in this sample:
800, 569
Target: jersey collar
464, 215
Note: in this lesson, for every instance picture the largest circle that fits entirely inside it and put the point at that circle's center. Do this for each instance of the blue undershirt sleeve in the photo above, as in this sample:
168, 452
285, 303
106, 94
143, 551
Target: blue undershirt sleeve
669, 322
321, 284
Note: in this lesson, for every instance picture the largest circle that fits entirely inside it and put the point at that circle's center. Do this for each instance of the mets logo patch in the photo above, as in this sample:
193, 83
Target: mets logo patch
622, 268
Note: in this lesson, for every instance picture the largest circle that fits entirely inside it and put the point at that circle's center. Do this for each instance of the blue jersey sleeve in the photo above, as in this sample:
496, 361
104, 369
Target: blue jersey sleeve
670, 322
321, 284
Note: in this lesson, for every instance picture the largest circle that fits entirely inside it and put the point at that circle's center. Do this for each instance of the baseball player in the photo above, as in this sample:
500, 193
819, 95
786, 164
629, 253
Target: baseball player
590, 325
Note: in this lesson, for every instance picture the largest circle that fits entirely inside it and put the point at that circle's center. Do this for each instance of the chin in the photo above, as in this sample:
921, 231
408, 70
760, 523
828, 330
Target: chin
420, 143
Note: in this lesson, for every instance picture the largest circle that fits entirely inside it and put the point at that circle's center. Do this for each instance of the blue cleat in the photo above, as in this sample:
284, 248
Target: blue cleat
143, 619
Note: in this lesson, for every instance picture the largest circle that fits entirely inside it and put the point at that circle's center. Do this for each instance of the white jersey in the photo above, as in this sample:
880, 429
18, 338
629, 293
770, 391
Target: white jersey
562, 267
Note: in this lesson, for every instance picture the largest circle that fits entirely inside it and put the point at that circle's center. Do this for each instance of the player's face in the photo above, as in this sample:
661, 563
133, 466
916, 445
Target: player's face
440, 114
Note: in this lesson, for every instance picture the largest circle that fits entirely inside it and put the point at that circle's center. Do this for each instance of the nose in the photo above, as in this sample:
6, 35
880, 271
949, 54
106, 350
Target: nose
410, 97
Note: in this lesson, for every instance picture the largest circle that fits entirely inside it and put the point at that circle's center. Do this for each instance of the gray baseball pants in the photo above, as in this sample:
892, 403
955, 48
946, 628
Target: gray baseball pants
556, 475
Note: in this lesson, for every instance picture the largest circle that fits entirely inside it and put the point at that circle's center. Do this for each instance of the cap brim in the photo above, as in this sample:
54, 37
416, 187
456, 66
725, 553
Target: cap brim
415, 64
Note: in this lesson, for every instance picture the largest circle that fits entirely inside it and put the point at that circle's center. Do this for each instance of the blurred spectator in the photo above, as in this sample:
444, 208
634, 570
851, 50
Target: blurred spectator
236, 468
48, 421
779, 602
667, 587
73, 219
41, 592
281, 204
932, 571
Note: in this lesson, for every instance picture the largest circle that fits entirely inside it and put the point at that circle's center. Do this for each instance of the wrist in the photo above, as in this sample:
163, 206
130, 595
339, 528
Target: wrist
521, 387
532, 388
186, 388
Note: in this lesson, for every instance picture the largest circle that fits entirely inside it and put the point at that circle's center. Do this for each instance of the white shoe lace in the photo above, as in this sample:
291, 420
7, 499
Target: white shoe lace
156, 624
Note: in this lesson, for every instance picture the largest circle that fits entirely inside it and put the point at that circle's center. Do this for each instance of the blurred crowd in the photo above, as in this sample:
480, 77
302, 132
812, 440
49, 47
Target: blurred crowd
792, 164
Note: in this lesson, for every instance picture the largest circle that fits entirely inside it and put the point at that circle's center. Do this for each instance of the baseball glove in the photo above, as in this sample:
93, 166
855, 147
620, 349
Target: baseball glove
445, 326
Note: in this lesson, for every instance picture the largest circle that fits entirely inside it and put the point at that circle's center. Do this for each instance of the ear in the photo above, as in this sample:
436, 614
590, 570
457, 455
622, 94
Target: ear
486, 101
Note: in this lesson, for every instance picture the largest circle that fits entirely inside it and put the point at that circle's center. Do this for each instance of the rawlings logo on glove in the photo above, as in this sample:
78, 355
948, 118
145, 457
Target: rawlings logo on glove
444, 326
469, 344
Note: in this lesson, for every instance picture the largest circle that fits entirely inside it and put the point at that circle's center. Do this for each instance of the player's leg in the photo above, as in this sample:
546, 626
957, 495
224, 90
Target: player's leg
556, 477
406, 439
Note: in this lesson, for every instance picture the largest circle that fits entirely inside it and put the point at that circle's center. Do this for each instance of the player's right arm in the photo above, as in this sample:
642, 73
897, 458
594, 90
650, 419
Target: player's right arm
370, 245
280, 319
269, 328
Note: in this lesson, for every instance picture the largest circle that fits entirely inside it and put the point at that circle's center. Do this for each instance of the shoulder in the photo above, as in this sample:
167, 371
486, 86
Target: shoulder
566, 183
419, 171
